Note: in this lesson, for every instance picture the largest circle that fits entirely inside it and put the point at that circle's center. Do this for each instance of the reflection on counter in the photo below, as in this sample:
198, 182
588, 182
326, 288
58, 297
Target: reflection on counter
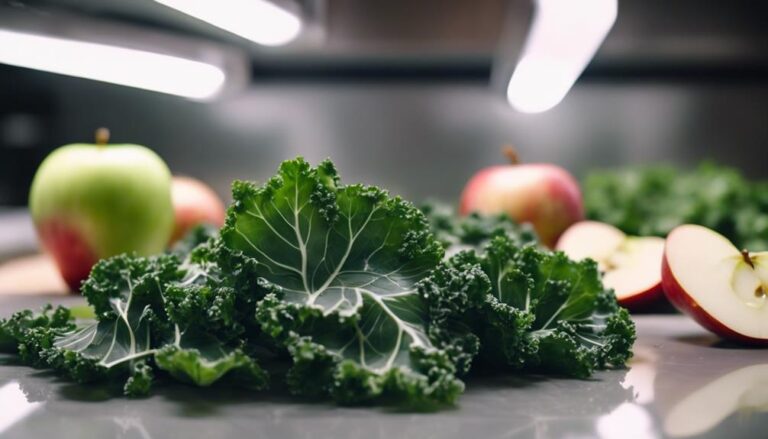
15, 405
642, 373
681, 383
632, 419
627, 421
744, 391
128, 425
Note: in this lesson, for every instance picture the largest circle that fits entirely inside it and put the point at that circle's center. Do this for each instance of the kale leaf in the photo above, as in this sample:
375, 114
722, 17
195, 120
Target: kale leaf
199, 358
475, 230
538, 310
341, 265
30, 334
126, 293
653, 200
151, 313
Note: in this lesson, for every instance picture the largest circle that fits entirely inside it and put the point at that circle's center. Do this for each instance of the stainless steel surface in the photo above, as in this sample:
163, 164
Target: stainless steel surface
683, 382
17, 233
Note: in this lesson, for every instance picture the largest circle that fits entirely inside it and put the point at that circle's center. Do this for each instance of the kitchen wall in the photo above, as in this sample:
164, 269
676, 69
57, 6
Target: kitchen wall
419, 140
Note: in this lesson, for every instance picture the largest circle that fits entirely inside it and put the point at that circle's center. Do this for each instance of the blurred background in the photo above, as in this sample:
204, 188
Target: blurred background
414, 96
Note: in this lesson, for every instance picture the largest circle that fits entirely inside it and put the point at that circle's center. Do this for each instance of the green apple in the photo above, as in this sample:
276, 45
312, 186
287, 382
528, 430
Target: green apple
91, 201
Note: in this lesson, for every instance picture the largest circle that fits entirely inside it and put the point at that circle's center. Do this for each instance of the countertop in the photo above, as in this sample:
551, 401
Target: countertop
683, 382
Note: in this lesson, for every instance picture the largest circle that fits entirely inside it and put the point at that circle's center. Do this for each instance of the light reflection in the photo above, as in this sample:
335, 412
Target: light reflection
744, 390
642, 374
132, 424
15, 406
627, 421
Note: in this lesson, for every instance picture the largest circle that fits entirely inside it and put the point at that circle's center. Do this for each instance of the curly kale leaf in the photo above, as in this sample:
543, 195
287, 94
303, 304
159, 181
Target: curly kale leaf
129, 279
31, 334
147, 312
653, 200
201, 359
473, 231
213, 308
541, 311
126, 293
217, 294
342, 265
197, 236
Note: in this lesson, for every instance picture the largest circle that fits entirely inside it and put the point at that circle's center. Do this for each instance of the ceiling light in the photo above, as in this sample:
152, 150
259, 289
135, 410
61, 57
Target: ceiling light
257, 20
113, 64
564, 37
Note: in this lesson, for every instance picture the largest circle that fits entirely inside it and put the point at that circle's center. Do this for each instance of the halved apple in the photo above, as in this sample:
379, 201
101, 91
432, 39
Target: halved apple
724, 289
631, 265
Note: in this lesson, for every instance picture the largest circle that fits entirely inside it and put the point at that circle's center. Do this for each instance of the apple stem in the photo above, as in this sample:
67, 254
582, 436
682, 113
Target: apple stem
102, 136
511, 154
747, 259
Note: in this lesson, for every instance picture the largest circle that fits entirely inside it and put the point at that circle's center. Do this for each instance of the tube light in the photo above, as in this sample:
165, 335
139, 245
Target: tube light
113, 64
257, 20
564, 37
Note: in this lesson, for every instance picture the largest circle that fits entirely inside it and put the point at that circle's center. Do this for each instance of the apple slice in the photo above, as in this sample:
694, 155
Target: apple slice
722, 288
631, 265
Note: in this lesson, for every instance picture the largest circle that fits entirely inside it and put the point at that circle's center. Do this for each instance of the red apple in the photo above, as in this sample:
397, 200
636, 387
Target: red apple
544, 195
722, 288
194, 203
631, 265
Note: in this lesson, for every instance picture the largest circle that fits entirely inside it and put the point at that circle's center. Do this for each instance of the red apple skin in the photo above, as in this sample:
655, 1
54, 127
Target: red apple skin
644, 300
194, 203
545, 195
688, 305
69, 249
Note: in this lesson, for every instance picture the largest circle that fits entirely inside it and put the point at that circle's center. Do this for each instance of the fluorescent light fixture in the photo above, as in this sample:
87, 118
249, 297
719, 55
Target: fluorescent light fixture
564, 37
257, 20
113, 64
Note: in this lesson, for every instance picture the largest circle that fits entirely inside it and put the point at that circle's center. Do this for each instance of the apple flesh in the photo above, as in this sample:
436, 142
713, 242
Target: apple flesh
705, 276
194, 203
544, 195
92, 201
630, 265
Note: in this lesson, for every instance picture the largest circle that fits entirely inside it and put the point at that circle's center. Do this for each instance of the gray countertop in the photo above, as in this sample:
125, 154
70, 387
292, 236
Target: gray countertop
682, 382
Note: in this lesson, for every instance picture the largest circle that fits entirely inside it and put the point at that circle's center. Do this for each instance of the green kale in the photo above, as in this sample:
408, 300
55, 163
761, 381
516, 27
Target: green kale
341, 265
150, 312
201, 359
346, 284
217, 294
195, 237
473, 231
536, 310
127, 294
213, 309
30, 334
653, 200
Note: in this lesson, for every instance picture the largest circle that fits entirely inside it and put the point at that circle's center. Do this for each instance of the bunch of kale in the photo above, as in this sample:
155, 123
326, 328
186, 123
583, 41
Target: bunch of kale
653, 200
346, 287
